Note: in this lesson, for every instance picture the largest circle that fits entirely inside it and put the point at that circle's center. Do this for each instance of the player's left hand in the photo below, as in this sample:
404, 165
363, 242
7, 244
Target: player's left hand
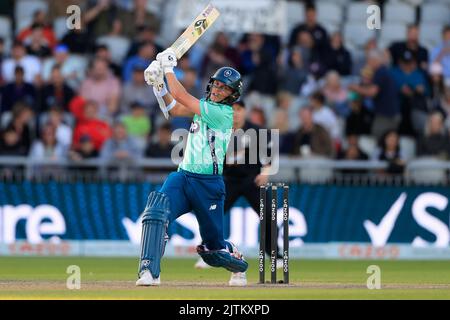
153, 74
261, 179
168, 60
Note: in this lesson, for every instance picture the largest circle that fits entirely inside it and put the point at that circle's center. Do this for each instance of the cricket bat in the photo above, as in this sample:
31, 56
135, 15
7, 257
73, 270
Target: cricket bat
187, 39
195, 30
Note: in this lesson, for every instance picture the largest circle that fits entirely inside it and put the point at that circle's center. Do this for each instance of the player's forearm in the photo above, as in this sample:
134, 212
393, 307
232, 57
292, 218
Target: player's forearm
175, 87
178, 110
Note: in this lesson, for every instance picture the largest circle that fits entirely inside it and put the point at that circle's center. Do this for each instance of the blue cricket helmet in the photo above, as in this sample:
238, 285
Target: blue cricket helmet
231, 78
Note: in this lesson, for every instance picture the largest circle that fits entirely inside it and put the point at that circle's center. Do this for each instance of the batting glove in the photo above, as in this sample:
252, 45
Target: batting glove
168, 60
153, 73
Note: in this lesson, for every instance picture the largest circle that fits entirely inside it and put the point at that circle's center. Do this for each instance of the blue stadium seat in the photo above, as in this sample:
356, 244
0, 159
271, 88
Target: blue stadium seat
435, 13
5, 27
118, 46
391, 32
430, 34
399, 12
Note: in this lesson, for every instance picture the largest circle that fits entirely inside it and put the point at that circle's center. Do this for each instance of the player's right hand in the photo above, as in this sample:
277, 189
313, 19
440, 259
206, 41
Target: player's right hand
168, 60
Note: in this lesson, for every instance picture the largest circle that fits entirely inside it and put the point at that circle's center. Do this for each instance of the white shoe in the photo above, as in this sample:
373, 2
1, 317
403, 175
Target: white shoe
146, 279
238, 279
200, 264
279, 263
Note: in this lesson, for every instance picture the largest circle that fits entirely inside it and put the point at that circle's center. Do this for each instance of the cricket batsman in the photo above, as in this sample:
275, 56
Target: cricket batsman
197, 185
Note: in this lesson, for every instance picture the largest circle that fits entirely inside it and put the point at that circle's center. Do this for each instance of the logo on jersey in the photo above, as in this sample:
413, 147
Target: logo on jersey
195, 127
213, 207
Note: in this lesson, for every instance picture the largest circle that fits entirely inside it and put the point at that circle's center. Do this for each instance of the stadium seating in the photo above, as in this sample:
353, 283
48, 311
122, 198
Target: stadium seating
60, 27
426, 170
329, 13
357, 11
435, 13
408, 147
391, 32
356, 34
399, 12
318, 171
118, 46
430, 34
368, 144
5, 27
26, 8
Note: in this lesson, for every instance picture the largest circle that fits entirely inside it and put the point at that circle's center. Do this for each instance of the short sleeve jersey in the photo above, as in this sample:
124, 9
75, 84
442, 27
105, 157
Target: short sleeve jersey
208, 139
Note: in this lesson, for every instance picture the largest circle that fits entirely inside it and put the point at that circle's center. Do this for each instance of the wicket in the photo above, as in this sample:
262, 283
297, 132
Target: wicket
273, 188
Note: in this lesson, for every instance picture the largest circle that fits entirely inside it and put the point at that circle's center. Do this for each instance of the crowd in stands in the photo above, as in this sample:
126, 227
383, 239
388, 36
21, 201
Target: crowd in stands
76, 98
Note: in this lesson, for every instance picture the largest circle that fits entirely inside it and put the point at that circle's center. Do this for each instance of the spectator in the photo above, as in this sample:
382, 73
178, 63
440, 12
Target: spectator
85, 150
352, 152
311, 138
146, 53
359, 121
383, 91
420, 53
102, 87
258, 117
137, 123
30, 64
339, 58
48, 147
56, 92
55, 118
17, 91
78, 40
335, 94
311, 25
191, 82
100, 16
139, 17
10, 144
163, 146
214, 58
389, 150
445, 104
281, 123
90, 124
120, 146
305, 45
145, 34
437, 85
39, 18
37, 45
102, 52
412, 90
292, 75
58, 8
435, 141
2, 56
138, 90
257, 61
441, 53
219, 52
22, 117
72, 69
324, 116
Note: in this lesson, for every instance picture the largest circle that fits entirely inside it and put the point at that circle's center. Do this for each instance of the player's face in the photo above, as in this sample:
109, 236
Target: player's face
219, 91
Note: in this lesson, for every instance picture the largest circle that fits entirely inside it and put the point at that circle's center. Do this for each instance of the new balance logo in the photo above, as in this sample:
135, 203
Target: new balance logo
213, 207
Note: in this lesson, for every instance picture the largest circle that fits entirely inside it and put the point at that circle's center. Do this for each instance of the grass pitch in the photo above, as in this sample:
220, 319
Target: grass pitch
113, 278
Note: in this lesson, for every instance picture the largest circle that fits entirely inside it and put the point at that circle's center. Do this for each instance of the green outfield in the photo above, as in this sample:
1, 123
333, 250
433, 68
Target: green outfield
113, 278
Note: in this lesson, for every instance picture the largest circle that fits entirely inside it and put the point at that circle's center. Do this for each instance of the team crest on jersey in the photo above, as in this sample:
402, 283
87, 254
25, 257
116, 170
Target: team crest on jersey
195, 127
